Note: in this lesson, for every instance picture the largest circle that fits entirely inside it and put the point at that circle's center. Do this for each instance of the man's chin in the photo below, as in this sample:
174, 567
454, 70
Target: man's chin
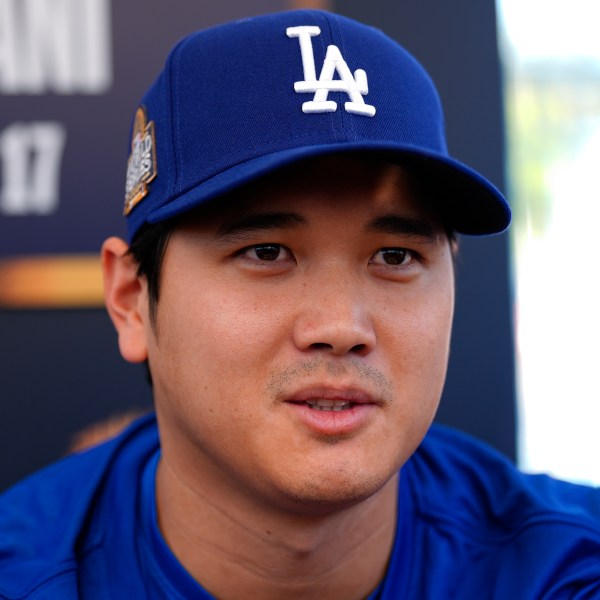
326, 496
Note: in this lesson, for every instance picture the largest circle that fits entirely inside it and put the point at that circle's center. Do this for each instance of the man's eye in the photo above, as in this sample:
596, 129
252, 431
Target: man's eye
266, 252
392, 256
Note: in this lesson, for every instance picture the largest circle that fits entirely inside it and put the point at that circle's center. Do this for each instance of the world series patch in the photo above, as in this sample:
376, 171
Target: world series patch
141, 166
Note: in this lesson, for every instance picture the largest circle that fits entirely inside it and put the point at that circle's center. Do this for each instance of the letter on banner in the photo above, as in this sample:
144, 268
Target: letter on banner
60, 46
31, 157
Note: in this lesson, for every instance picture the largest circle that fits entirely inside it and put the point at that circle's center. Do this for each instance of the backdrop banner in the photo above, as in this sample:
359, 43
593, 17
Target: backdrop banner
71, 75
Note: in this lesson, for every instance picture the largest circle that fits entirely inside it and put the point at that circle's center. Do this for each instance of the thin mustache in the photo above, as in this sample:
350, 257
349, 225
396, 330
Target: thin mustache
291, 375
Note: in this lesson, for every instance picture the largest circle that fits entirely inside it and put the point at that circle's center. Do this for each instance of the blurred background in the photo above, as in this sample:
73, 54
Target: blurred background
520, 82
550, 53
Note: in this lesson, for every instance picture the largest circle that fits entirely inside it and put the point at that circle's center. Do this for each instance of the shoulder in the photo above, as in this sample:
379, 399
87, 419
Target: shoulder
45, 519
528, 532
483, 483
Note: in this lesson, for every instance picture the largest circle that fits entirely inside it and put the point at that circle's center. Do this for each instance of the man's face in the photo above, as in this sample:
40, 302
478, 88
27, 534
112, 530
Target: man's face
302, 335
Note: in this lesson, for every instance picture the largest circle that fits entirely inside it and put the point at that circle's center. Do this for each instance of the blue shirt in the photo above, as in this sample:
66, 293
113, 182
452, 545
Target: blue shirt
469, 526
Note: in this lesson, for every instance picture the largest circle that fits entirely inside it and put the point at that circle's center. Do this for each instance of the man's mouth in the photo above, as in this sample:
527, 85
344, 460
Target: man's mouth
329, 405
331, 411
330, 399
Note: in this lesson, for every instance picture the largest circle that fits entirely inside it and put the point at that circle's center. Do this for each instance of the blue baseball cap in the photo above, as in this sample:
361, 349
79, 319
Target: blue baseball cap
238, 101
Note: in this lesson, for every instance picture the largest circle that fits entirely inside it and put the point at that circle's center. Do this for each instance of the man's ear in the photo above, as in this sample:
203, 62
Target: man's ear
126, 297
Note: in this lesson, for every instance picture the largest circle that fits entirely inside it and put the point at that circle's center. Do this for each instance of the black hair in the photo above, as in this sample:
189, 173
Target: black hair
148, 250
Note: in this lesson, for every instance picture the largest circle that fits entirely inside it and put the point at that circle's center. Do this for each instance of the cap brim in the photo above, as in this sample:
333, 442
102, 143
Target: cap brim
470, 203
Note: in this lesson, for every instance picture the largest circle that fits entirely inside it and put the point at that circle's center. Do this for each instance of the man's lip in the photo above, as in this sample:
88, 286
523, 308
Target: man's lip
353, 395
332, 411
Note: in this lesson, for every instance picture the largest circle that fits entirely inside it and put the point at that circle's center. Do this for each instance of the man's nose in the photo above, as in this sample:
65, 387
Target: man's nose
335, 317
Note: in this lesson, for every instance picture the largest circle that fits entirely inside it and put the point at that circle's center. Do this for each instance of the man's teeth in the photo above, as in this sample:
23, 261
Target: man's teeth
334, 405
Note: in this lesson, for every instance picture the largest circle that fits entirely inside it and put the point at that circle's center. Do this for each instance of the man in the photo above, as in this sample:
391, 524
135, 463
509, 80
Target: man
292, 214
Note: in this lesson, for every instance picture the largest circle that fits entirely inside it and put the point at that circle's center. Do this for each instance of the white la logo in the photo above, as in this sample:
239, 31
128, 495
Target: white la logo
355, 86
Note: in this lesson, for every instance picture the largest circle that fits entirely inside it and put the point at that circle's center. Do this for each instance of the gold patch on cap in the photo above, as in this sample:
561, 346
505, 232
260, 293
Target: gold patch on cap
141, 166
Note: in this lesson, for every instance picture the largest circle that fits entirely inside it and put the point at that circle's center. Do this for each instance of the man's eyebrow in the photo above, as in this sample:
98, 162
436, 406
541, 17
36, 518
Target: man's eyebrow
403, 226
245, 224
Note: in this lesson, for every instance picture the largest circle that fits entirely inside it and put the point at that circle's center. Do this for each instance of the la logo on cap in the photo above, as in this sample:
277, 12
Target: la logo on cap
354, 85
